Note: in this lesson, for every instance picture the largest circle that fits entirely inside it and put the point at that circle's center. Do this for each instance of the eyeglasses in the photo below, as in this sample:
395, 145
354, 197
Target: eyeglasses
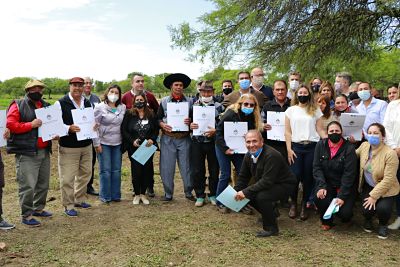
250, 105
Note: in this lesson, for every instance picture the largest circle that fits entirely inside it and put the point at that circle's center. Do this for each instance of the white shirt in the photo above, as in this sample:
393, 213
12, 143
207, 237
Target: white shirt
375, 112
303, 125
392, 124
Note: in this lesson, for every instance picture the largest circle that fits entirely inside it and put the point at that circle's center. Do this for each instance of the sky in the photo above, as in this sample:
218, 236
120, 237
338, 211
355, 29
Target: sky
105, 40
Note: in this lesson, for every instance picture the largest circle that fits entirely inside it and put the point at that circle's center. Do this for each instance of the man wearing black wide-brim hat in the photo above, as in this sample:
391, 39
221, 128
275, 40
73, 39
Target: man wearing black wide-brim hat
175, 145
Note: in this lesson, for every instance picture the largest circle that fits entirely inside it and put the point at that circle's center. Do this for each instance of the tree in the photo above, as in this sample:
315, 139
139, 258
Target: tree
292, 33
14, 86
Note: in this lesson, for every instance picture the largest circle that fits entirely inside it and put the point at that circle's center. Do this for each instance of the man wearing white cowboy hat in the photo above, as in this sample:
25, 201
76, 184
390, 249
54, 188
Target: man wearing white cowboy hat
175, 145
32, 154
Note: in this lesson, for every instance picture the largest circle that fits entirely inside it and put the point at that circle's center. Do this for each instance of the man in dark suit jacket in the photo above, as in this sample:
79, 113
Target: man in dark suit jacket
271, 178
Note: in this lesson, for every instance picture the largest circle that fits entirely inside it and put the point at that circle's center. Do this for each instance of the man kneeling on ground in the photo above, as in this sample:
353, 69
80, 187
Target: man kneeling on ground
272, 178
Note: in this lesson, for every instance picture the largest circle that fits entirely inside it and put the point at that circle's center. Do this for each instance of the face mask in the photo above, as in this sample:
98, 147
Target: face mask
258, 80
338, 86
341, 111
244, 84
294, 85
36, 96
315, 88
373, 139
364, 94
227, 90
206, 99
247, 111
257, 153
139, 105
112, 98
334, 137
303, 98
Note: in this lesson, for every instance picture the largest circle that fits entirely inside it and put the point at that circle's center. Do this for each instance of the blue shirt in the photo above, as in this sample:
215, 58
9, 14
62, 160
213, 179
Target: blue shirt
375, 112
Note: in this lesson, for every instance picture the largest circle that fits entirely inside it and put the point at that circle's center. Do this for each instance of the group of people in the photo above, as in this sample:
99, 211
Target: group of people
314, 154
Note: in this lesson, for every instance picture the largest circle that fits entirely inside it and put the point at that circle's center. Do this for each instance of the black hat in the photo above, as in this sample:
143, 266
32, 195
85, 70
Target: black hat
176, 77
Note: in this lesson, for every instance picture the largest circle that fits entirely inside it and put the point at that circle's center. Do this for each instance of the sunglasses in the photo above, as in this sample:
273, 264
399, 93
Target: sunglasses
250, 105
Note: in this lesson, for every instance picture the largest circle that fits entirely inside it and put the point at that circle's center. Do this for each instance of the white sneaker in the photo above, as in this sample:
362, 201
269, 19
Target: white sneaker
144, 199
395, 225
136, 200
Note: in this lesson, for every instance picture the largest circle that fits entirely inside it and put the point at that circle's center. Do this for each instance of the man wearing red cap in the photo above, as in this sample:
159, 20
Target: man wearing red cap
32, 154
74, 157
175, 145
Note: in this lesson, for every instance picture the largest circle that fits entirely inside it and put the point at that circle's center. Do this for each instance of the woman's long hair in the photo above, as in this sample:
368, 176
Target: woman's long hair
257, 113
327, 110
310, 107
148, 112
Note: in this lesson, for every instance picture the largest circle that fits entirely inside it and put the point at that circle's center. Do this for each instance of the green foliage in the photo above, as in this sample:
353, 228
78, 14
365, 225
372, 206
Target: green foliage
286, 34
14, 87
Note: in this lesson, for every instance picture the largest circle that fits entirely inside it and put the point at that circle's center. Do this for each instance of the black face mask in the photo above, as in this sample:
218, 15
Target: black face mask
227, 90
315, 88
139, 105
36, 96
334, 137
303, 98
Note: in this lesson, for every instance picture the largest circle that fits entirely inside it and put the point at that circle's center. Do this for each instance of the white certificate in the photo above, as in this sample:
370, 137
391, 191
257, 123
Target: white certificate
277, 122
352, 124
177, 112
234, 133
204, 116
3, 121
84, 118
52, 122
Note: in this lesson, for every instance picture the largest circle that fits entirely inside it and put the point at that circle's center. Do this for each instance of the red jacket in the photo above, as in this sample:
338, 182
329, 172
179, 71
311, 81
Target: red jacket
128, 97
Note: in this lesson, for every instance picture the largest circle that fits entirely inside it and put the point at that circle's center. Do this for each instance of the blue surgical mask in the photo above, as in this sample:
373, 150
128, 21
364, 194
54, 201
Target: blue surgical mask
364, 94
257, 153
247, 111
373, 139
244, 84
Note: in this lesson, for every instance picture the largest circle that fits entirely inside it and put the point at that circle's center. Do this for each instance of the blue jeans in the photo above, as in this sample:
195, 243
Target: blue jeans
225, 168
303, 169
110, 160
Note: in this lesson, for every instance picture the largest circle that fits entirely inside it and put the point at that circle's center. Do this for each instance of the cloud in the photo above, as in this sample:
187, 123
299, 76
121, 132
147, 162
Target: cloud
37, 44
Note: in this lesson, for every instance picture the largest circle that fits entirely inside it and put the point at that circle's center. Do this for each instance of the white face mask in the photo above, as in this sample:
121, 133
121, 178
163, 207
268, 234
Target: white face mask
206, 99
294, 85
258, 80
112, 98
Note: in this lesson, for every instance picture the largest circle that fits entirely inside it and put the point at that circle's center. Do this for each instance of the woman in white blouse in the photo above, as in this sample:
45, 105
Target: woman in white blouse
391, 122
303, 129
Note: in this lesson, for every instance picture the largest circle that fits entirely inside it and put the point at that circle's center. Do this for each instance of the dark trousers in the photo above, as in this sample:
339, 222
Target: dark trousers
200, 152
345, 212
90, 184
383, 206
141, 175
398, 196
264, 202
1, 185
302, 168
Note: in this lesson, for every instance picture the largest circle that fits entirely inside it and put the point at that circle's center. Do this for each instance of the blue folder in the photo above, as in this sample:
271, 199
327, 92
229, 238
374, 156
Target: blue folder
227, 197
143, 153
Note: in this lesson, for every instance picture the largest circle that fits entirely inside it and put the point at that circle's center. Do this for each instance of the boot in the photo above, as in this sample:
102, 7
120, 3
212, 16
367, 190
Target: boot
303, 212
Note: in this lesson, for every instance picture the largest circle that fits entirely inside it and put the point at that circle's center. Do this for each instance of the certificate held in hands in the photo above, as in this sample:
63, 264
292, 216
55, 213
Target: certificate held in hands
277, 122
234, 133
3, 120
52, 122
352, 124
84, 118
227, 197
204, 116
144, 152
177, 112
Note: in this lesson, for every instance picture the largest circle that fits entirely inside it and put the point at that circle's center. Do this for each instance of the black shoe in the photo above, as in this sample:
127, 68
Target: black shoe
247, 210
191, 198
166, 199
150, 192
368, 226
91, 191
382, 232
267, 233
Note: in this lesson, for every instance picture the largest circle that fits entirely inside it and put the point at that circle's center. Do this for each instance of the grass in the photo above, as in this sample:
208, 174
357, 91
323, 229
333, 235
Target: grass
177, 234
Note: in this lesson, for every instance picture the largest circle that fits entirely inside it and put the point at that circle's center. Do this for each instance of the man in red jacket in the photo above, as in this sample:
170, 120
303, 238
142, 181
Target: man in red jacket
32, 154
137, 87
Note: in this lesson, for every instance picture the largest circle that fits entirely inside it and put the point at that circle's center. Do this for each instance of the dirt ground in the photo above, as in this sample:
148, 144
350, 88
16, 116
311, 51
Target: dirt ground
178, 234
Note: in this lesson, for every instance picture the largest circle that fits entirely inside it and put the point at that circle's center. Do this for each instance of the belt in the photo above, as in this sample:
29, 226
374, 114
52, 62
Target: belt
177, 135
304, 142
